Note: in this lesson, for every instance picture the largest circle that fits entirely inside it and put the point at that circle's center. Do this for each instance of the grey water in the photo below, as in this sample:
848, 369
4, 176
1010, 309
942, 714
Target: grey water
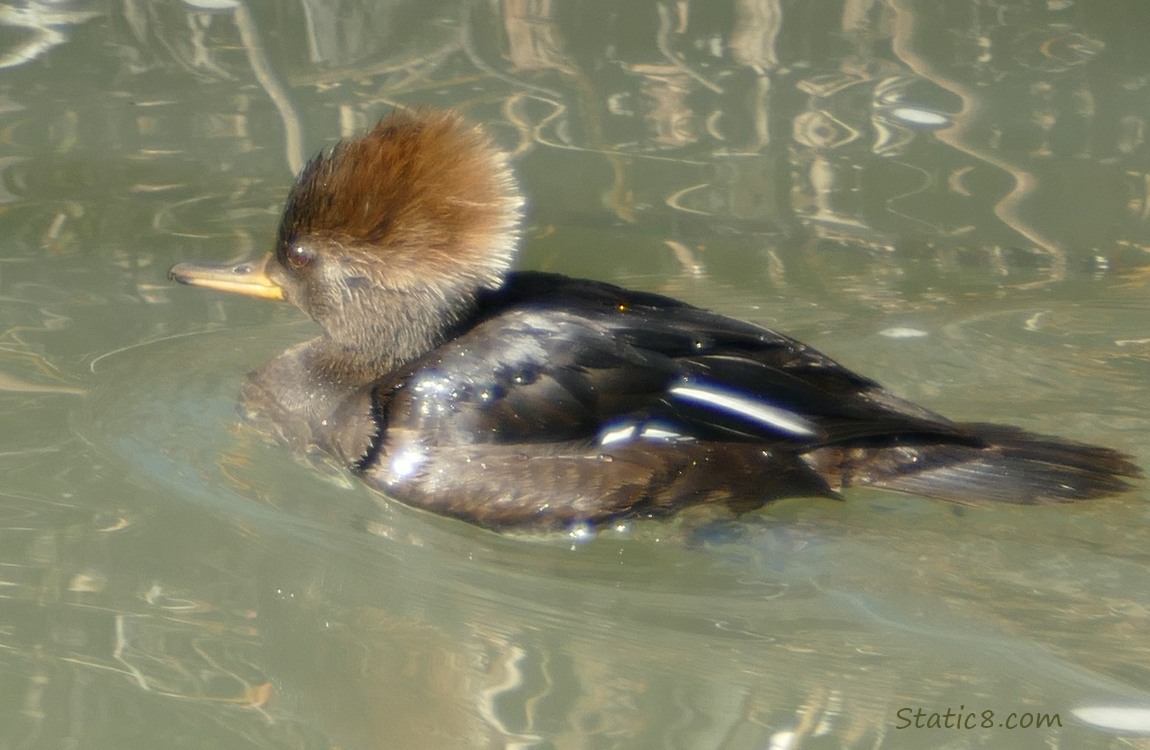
950, 197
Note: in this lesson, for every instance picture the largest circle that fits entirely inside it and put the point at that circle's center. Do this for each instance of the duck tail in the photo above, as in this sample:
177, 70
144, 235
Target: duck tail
997, 463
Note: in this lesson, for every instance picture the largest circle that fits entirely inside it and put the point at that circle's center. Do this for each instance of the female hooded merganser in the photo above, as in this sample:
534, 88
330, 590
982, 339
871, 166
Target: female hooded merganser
532, 400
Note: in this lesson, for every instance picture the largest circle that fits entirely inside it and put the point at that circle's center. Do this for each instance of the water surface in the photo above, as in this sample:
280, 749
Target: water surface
951, 197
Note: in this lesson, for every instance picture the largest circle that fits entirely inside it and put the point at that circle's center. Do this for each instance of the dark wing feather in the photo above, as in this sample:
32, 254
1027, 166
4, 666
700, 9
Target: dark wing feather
532, 414
525, 377
555, 359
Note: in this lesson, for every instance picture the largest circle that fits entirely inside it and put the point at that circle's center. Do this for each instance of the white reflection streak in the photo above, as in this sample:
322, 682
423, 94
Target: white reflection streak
617, 435
118, 654
758, 411
1121, 718
407, 463
627, 431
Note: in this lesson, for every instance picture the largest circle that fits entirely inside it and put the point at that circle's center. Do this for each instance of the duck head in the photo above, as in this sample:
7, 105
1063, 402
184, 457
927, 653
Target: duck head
386, 239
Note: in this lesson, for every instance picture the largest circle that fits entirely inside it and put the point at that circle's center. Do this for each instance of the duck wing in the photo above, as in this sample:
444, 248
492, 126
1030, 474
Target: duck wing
552, 359
569, 401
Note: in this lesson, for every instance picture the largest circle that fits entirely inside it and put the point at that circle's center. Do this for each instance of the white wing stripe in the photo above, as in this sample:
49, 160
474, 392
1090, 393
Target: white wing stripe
758, 411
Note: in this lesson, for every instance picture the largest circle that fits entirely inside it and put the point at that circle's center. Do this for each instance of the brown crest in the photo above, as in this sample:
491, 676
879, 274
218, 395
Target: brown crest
425, 192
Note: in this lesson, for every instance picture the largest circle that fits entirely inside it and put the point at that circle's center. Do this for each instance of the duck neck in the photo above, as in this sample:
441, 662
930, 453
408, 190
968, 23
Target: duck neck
384, 339
306, 393
342, 365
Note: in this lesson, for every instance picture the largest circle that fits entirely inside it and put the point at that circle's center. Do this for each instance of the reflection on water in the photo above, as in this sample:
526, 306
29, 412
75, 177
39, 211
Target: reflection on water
428, 633
974, 173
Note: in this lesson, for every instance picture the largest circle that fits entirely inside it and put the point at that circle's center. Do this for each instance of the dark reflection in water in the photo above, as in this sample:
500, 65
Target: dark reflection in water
998, 133
952, 196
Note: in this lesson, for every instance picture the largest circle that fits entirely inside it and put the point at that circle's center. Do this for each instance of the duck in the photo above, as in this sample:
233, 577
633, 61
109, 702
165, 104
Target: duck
525, 400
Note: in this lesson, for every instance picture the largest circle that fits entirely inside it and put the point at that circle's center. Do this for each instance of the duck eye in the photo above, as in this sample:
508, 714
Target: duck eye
299, 256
